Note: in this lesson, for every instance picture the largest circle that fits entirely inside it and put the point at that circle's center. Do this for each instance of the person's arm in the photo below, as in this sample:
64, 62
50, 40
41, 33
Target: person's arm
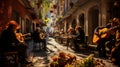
96, 31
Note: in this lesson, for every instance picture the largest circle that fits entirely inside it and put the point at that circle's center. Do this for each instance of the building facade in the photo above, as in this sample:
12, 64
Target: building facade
89, 14
18, 10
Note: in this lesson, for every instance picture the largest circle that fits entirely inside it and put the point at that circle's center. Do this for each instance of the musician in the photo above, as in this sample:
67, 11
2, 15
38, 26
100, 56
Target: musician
39, 37
101, 43
111, 38
43, 36
36, 37
9, 41
115, 54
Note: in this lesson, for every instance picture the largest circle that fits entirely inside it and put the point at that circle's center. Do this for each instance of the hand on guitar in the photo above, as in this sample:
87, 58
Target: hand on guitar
20, 37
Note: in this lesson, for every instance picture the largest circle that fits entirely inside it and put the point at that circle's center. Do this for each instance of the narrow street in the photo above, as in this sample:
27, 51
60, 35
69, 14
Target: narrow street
41, 58
91, 23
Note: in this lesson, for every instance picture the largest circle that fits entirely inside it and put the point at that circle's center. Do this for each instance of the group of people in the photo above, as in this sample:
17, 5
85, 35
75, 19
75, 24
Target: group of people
108, 36
12, 40
77, 37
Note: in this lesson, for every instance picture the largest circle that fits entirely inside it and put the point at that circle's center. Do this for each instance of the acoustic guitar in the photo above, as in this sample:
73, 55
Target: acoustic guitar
21, 36
42, 35
103, 33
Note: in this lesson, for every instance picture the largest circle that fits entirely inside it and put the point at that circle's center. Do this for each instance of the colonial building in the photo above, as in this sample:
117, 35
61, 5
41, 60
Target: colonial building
89, 14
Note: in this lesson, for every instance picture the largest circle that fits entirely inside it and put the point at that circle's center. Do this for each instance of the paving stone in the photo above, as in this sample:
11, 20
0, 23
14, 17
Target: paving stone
42, 58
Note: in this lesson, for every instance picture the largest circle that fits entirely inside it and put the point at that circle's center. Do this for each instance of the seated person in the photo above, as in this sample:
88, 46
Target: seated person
10, 42
79, 37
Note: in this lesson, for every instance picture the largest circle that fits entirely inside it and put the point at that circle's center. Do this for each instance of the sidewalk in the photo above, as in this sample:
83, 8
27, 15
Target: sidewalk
43, 58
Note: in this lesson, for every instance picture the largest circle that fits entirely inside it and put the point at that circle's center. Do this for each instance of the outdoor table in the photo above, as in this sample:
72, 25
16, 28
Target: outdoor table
68, 39
56, 35
62, 38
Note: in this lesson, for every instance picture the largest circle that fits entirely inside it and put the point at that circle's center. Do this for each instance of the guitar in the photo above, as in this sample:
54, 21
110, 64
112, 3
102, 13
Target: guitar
42, 35
103, 33
21, 36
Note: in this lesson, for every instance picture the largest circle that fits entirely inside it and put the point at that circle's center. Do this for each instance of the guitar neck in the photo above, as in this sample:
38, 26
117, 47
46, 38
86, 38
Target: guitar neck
26, 34
111, 29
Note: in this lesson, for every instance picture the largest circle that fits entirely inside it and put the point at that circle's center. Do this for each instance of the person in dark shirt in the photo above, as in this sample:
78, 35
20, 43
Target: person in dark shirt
101, 43
43, 36
115, 52
79, 37
39, 37
36, 35
9, 41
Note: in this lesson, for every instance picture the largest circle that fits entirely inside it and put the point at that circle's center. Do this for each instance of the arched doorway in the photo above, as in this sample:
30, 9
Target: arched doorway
93, 20
81, 20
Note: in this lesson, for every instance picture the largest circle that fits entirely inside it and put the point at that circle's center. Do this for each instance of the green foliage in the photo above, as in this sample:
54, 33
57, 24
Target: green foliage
88, 62
45, 7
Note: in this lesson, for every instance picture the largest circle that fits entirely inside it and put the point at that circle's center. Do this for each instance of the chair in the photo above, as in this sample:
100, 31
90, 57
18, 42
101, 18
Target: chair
7, 58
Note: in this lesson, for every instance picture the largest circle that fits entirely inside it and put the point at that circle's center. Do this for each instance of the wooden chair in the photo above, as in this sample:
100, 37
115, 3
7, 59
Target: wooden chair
7, 57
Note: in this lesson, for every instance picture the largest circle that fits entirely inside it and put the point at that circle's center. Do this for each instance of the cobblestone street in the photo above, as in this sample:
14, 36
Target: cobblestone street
60, 33
41, 58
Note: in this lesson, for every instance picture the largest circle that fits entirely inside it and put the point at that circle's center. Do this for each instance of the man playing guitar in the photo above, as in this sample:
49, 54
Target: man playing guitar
115, 53
103, 34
